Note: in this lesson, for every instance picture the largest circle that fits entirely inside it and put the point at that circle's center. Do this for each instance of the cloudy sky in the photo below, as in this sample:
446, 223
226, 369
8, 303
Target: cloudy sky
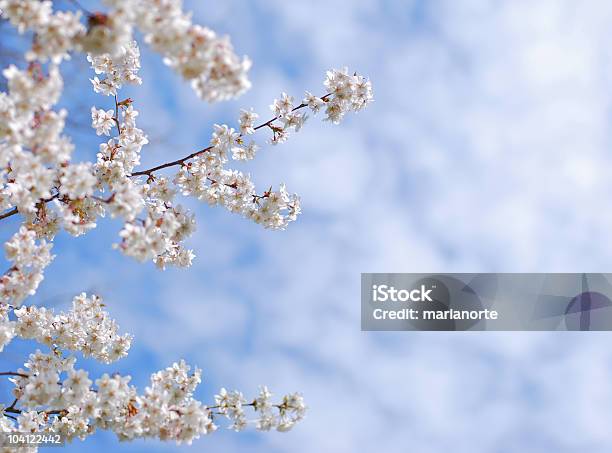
487, 149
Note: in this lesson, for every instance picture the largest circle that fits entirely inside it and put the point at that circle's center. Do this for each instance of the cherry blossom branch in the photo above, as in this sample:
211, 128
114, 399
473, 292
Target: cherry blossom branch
14, 211
182, 161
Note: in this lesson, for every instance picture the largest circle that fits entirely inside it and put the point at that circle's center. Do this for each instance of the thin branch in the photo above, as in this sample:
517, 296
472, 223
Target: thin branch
13, 403
19, 411
171, 164
16, 211
13, 373
202, 151
9, 213
104, 200
116, 118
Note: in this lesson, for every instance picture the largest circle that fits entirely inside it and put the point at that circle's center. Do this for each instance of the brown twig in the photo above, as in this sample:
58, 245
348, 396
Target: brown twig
13, 373
103, 200
202, 151
8, 213
19, 411
116, 117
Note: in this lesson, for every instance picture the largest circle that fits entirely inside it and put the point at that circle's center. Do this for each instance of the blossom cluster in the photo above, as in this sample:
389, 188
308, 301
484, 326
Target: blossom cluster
281, 416
119, 70
52, 396
29, 257
29, 124
348, 93
86, 328
158, 237
56, 33
208, 61
202, 57
167, 410
236, 192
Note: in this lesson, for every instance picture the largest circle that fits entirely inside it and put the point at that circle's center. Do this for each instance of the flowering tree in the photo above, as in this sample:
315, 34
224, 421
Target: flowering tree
50, 193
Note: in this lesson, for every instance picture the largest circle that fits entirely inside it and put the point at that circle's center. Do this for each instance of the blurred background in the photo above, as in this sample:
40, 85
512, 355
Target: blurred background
487, 149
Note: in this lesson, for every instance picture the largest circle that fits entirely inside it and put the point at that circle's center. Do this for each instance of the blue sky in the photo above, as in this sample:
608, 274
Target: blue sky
486, 149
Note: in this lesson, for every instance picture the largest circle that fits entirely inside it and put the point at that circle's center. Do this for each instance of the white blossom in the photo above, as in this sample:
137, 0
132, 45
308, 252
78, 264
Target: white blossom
282, 106
127, 200
79, 216
77, 180
119, 70
7, 327
245, 152
102, 121
247, 121
313, 102
348, 92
